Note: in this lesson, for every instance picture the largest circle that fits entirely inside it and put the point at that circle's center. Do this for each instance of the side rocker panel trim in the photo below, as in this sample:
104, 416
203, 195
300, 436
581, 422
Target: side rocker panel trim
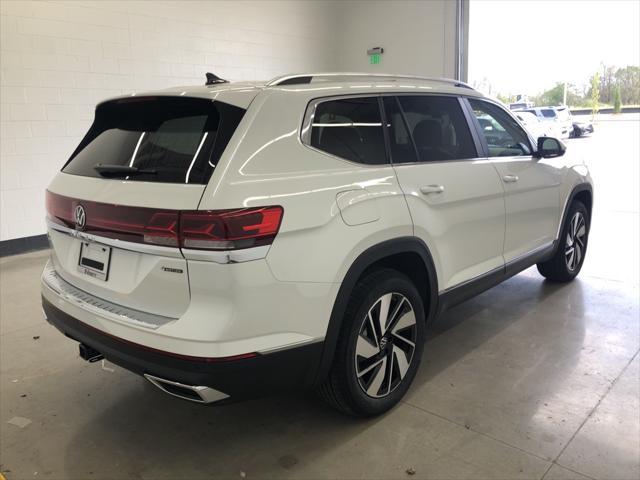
365, 259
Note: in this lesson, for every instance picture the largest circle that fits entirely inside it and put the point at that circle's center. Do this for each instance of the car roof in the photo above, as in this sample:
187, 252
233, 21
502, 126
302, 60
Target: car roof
331, 83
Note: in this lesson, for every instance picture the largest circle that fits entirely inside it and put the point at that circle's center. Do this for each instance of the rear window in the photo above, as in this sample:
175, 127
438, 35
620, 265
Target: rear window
548, 113
162, 139
350, 128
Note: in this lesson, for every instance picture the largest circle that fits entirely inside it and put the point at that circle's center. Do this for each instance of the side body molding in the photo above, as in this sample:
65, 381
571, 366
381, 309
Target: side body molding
366, 259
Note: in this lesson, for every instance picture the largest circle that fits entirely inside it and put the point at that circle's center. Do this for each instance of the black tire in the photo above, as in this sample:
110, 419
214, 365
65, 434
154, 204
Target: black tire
343, 388
563, 267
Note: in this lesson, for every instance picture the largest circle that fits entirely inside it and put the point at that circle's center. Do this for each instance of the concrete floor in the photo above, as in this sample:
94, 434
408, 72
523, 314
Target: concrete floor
529, 380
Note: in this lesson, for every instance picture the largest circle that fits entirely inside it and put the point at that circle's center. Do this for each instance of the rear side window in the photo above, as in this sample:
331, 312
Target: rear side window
438, 127
350, 128
401, 145
162, 139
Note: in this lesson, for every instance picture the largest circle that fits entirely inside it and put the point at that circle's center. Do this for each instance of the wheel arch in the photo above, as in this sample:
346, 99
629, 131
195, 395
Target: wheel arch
408, 255
582, 192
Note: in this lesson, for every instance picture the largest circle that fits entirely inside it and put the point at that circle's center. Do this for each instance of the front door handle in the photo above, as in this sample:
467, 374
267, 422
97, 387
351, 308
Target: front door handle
510, 178
427, 189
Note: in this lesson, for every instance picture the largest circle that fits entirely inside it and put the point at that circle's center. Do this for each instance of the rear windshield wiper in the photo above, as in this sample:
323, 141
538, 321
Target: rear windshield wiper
121, 170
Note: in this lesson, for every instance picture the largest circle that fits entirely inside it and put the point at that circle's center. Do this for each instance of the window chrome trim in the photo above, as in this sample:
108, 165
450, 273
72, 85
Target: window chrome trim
98, 306
173, 252
309, 114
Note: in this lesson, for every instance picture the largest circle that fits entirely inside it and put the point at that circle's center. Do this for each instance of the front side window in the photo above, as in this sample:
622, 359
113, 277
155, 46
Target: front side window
350, 128
438, 127
505, 138
156, 139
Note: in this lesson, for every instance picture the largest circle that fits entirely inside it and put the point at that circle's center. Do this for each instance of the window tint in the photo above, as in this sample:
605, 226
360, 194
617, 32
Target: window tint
438, 128
350, 128
504, 136
176, 140
402, 147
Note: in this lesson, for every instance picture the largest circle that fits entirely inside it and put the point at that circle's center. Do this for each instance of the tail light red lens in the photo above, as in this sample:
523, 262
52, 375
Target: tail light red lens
208, 230
229, 229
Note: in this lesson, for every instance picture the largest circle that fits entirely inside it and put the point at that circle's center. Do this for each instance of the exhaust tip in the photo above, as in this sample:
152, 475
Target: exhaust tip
193, 393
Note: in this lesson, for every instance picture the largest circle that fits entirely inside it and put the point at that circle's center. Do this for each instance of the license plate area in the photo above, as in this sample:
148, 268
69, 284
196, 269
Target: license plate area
94, 260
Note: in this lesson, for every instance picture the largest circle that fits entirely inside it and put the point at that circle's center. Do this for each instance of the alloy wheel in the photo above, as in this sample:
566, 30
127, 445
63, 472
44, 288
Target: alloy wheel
385, 345
575, 243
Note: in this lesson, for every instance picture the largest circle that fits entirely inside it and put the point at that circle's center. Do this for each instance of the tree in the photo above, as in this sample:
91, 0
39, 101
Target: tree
506, 99
628, 78
555, 96
617, 100
607, 84
595, 93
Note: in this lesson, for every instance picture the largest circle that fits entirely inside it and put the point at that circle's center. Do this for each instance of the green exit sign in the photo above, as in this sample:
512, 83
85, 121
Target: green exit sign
374, 59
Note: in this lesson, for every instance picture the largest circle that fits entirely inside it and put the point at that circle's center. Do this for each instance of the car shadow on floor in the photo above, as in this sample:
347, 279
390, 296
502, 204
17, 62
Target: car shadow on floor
145, 433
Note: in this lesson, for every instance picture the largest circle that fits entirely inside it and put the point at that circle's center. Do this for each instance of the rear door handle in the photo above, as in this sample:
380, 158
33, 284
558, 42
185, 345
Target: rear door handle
510, 178
427, 189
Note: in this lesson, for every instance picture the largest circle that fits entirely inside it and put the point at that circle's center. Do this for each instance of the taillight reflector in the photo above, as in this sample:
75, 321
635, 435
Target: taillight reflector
193, 229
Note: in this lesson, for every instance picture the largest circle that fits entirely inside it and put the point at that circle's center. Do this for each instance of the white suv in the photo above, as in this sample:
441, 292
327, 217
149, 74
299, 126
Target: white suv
231, 239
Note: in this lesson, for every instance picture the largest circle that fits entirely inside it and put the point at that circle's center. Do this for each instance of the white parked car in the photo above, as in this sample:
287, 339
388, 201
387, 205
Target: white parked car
533, 125
558, 117
232, 239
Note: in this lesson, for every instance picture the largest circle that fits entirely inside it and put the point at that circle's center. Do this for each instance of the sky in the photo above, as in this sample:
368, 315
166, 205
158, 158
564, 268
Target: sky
526, 46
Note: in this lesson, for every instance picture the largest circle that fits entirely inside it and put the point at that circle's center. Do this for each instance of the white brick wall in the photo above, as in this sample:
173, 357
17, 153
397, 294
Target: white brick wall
59, 58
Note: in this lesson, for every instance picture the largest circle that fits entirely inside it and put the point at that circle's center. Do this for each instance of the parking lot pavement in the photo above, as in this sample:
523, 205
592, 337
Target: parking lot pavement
528, 380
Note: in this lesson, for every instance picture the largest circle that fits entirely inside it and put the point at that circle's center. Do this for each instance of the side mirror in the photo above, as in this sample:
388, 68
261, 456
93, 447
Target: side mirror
549, 147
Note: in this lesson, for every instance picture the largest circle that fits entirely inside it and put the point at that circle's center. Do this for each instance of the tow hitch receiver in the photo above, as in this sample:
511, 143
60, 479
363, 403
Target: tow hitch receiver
89, 354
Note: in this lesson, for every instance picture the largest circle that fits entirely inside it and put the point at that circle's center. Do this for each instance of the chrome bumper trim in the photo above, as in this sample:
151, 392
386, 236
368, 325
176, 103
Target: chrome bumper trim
98, 306
202, 394
227, 256
112, 242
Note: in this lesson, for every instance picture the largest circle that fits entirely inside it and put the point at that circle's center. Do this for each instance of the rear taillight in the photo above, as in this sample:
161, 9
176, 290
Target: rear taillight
229, 229
196, 229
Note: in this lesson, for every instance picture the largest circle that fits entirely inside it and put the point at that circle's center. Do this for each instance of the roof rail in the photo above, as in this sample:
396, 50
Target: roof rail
303, 78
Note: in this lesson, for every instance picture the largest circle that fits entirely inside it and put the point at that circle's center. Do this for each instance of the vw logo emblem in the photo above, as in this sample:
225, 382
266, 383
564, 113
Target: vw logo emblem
80, 217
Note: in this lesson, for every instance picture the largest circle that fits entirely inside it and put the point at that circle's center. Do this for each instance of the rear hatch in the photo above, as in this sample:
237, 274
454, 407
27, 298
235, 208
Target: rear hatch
113, 212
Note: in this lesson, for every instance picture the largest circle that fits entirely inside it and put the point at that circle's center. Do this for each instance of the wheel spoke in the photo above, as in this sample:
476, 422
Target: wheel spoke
578, 254
569, 240
385, 303
393, 319
389, 372
373, 329
378, 378
364, 348
406, 320
401, 360
407, 342
369, 368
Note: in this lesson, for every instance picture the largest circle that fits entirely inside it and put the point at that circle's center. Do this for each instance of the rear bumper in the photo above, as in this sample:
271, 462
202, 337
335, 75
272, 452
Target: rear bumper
290, 368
